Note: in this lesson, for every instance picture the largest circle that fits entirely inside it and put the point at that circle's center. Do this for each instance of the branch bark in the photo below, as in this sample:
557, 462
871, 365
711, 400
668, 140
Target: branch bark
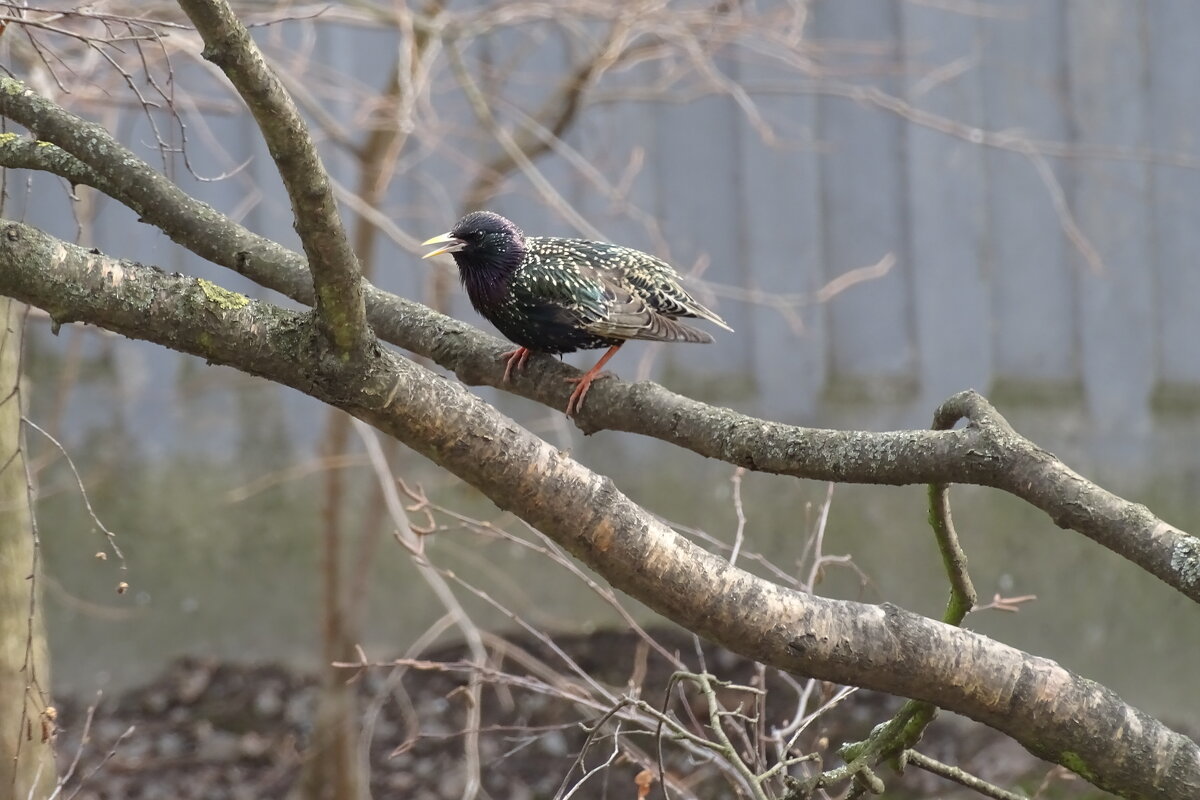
335, 272
1055, 714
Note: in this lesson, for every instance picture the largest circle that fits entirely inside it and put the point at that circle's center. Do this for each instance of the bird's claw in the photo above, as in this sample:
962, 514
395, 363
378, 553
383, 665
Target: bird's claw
581, 389
515, 359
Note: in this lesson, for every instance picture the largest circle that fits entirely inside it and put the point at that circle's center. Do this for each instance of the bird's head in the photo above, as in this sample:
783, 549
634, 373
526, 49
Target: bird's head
482, 242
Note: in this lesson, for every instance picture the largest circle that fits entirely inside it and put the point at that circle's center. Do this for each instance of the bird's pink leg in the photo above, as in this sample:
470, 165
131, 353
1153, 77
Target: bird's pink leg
584, 383
515, 359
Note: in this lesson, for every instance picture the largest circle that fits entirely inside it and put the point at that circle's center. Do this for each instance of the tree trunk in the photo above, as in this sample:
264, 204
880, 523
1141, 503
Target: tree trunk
26, 757
331, 765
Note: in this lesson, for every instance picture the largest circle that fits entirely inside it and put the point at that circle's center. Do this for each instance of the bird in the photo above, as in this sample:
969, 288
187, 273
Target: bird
553, 295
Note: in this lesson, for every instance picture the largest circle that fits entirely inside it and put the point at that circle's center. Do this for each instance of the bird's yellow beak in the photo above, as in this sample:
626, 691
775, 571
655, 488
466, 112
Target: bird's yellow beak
451, 245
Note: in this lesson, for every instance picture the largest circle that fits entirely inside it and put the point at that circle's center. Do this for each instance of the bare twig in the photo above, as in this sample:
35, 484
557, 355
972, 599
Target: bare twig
442, 591
112, 752
736, 482
959, 776
962, 591
483, 111
109, 536
84, 735
1010, 604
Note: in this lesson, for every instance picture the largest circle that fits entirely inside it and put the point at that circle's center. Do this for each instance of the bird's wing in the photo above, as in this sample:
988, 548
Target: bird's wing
609, 290
659, 283
614, 308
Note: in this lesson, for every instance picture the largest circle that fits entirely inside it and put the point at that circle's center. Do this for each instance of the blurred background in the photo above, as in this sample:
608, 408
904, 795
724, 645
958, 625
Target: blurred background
889, 202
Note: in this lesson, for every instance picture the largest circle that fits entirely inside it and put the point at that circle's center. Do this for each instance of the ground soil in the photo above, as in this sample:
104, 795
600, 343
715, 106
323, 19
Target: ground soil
211, 730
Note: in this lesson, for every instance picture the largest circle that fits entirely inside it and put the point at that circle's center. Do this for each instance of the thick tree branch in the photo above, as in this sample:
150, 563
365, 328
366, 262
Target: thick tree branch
335, 271
988, 452
1055, 714
90, 156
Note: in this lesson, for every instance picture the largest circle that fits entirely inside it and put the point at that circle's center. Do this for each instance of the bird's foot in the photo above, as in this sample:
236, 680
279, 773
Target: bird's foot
584, 382
515, 359
581, 389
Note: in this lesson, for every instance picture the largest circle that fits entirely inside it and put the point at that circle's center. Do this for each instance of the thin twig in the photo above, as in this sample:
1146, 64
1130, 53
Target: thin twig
445, 595
736, 481
112, 752
954, 559
109, 535
483, 112
959, 776
83, 740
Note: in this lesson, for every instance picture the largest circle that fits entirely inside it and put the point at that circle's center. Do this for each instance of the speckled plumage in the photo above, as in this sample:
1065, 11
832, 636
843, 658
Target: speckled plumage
552, 295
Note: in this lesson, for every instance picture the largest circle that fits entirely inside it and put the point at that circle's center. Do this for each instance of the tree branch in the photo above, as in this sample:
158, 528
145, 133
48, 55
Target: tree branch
954, 559
534, 137
894, 738
959, 776
987, 452
516, 156
1055, 714
90, 156
335, 272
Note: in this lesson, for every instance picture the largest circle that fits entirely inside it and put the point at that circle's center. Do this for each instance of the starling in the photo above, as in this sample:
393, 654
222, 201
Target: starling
551, 295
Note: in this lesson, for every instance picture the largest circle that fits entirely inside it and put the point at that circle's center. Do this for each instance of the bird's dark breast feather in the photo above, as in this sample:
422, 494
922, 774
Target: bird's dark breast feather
538, 309
548, 302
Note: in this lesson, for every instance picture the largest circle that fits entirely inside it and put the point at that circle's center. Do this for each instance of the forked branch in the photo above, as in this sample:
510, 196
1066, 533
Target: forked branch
987, 452
1054, 713
335, 272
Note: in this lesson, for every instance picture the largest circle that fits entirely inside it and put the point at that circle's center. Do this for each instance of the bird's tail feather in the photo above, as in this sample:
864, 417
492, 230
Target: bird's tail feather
665, 329
708, 314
